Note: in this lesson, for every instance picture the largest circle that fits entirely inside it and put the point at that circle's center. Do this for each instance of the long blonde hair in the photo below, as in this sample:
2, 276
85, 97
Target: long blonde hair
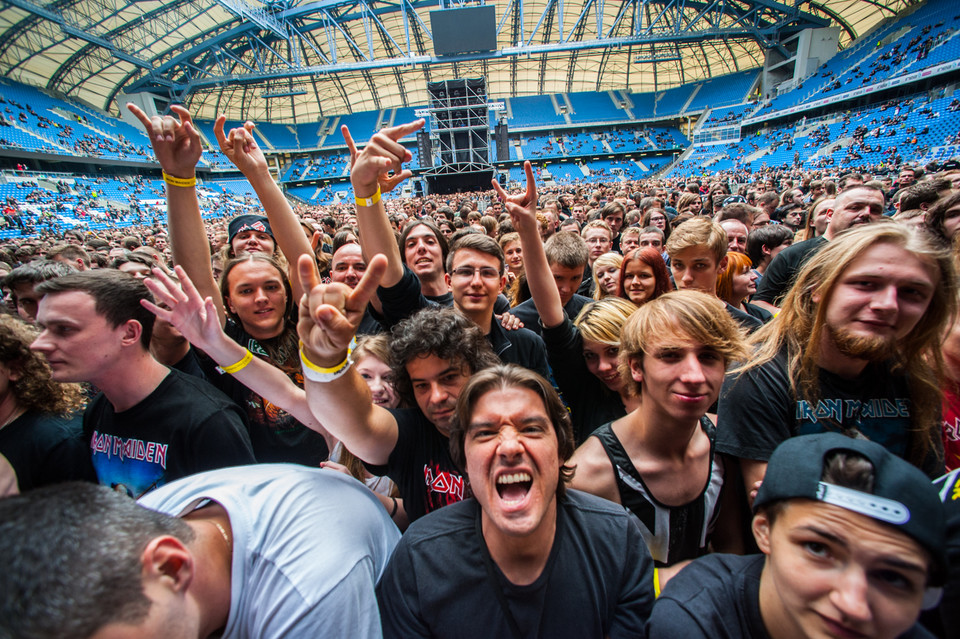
607, 259
800, 324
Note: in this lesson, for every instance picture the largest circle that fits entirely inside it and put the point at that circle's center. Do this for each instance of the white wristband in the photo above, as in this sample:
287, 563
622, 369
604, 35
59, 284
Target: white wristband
323, 375
323, 378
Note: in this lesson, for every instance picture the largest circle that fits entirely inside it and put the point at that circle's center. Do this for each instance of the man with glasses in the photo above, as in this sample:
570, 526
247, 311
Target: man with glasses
599, 238
474, 266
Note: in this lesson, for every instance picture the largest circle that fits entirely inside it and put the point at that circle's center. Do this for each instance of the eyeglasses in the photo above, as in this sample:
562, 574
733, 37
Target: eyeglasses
467, 272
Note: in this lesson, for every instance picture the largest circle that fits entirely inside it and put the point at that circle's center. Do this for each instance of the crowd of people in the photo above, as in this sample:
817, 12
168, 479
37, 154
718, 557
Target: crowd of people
693, 408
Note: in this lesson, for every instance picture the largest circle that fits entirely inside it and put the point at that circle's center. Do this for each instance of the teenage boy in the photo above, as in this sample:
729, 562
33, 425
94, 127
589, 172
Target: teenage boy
698, 254
852, 541
658, 462
567, 257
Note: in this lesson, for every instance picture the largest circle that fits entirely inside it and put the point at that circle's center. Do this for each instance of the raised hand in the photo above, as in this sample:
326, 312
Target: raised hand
383, 153
241, 147
523, 206
331, 313
196, 318
174, 139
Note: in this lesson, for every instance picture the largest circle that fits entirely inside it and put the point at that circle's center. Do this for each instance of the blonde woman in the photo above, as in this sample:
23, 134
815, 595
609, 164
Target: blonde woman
606, 275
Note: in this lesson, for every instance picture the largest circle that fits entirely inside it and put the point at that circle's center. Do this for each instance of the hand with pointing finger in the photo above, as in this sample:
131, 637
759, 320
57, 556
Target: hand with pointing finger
371, 167
241, 147
331, 313
523, 206
174, 139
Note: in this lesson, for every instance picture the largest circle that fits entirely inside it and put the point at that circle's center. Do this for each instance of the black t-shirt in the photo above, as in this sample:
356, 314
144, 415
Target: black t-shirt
370, 323
421, 466
587, 285
779, 276
445, 299
590, 402
527, 312
185, 426
192, 364
521, 346
718, 597
758, 410
276, 435
46, 449
761, 314
949, 609
747, 322
598, 581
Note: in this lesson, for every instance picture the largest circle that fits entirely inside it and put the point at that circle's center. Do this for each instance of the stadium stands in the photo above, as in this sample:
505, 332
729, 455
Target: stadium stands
571, 137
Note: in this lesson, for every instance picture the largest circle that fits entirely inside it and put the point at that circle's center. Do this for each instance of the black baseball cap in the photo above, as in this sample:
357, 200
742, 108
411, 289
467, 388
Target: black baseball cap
248, 223
902, 497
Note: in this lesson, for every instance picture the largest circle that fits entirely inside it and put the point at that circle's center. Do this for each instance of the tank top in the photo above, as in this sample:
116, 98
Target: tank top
672, 533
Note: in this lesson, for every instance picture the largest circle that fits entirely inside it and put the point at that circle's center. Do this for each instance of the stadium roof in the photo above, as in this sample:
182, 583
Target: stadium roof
290, 61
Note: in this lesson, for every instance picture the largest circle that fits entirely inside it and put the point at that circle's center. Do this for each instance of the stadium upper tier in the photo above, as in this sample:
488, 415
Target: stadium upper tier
916, 129
925, 40
571, 137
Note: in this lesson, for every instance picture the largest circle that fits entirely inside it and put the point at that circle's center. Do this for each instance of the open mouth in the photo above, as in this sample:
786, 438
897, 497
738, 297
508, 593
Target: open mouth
513, 487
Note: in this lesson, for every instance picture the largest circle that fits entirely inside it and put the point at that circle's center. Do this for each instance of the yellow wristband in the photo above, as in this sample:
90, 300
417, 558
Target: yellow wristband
239, 366
369, 201
321, 369
656, 583
181, 182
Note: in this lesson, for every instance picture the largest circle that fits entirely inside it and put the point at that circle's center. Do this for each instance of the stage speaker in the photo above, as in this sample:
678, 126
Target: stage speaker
503, 142
424, 149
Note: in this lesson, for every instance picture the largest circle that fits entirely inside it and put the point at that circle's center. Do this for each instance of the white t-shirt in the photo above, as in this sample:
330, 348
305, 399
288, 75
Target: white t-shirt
308, 548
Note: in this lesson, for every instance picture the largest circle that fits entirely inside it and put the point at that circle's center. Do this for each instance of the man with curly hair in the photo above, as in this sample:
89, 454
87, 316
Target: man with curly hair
433, 352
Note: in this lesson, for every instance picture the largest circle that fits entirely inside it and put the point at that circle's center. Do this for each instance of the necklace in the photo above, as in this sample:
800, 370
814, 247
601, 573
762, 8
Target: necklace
223, 532
13, 416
